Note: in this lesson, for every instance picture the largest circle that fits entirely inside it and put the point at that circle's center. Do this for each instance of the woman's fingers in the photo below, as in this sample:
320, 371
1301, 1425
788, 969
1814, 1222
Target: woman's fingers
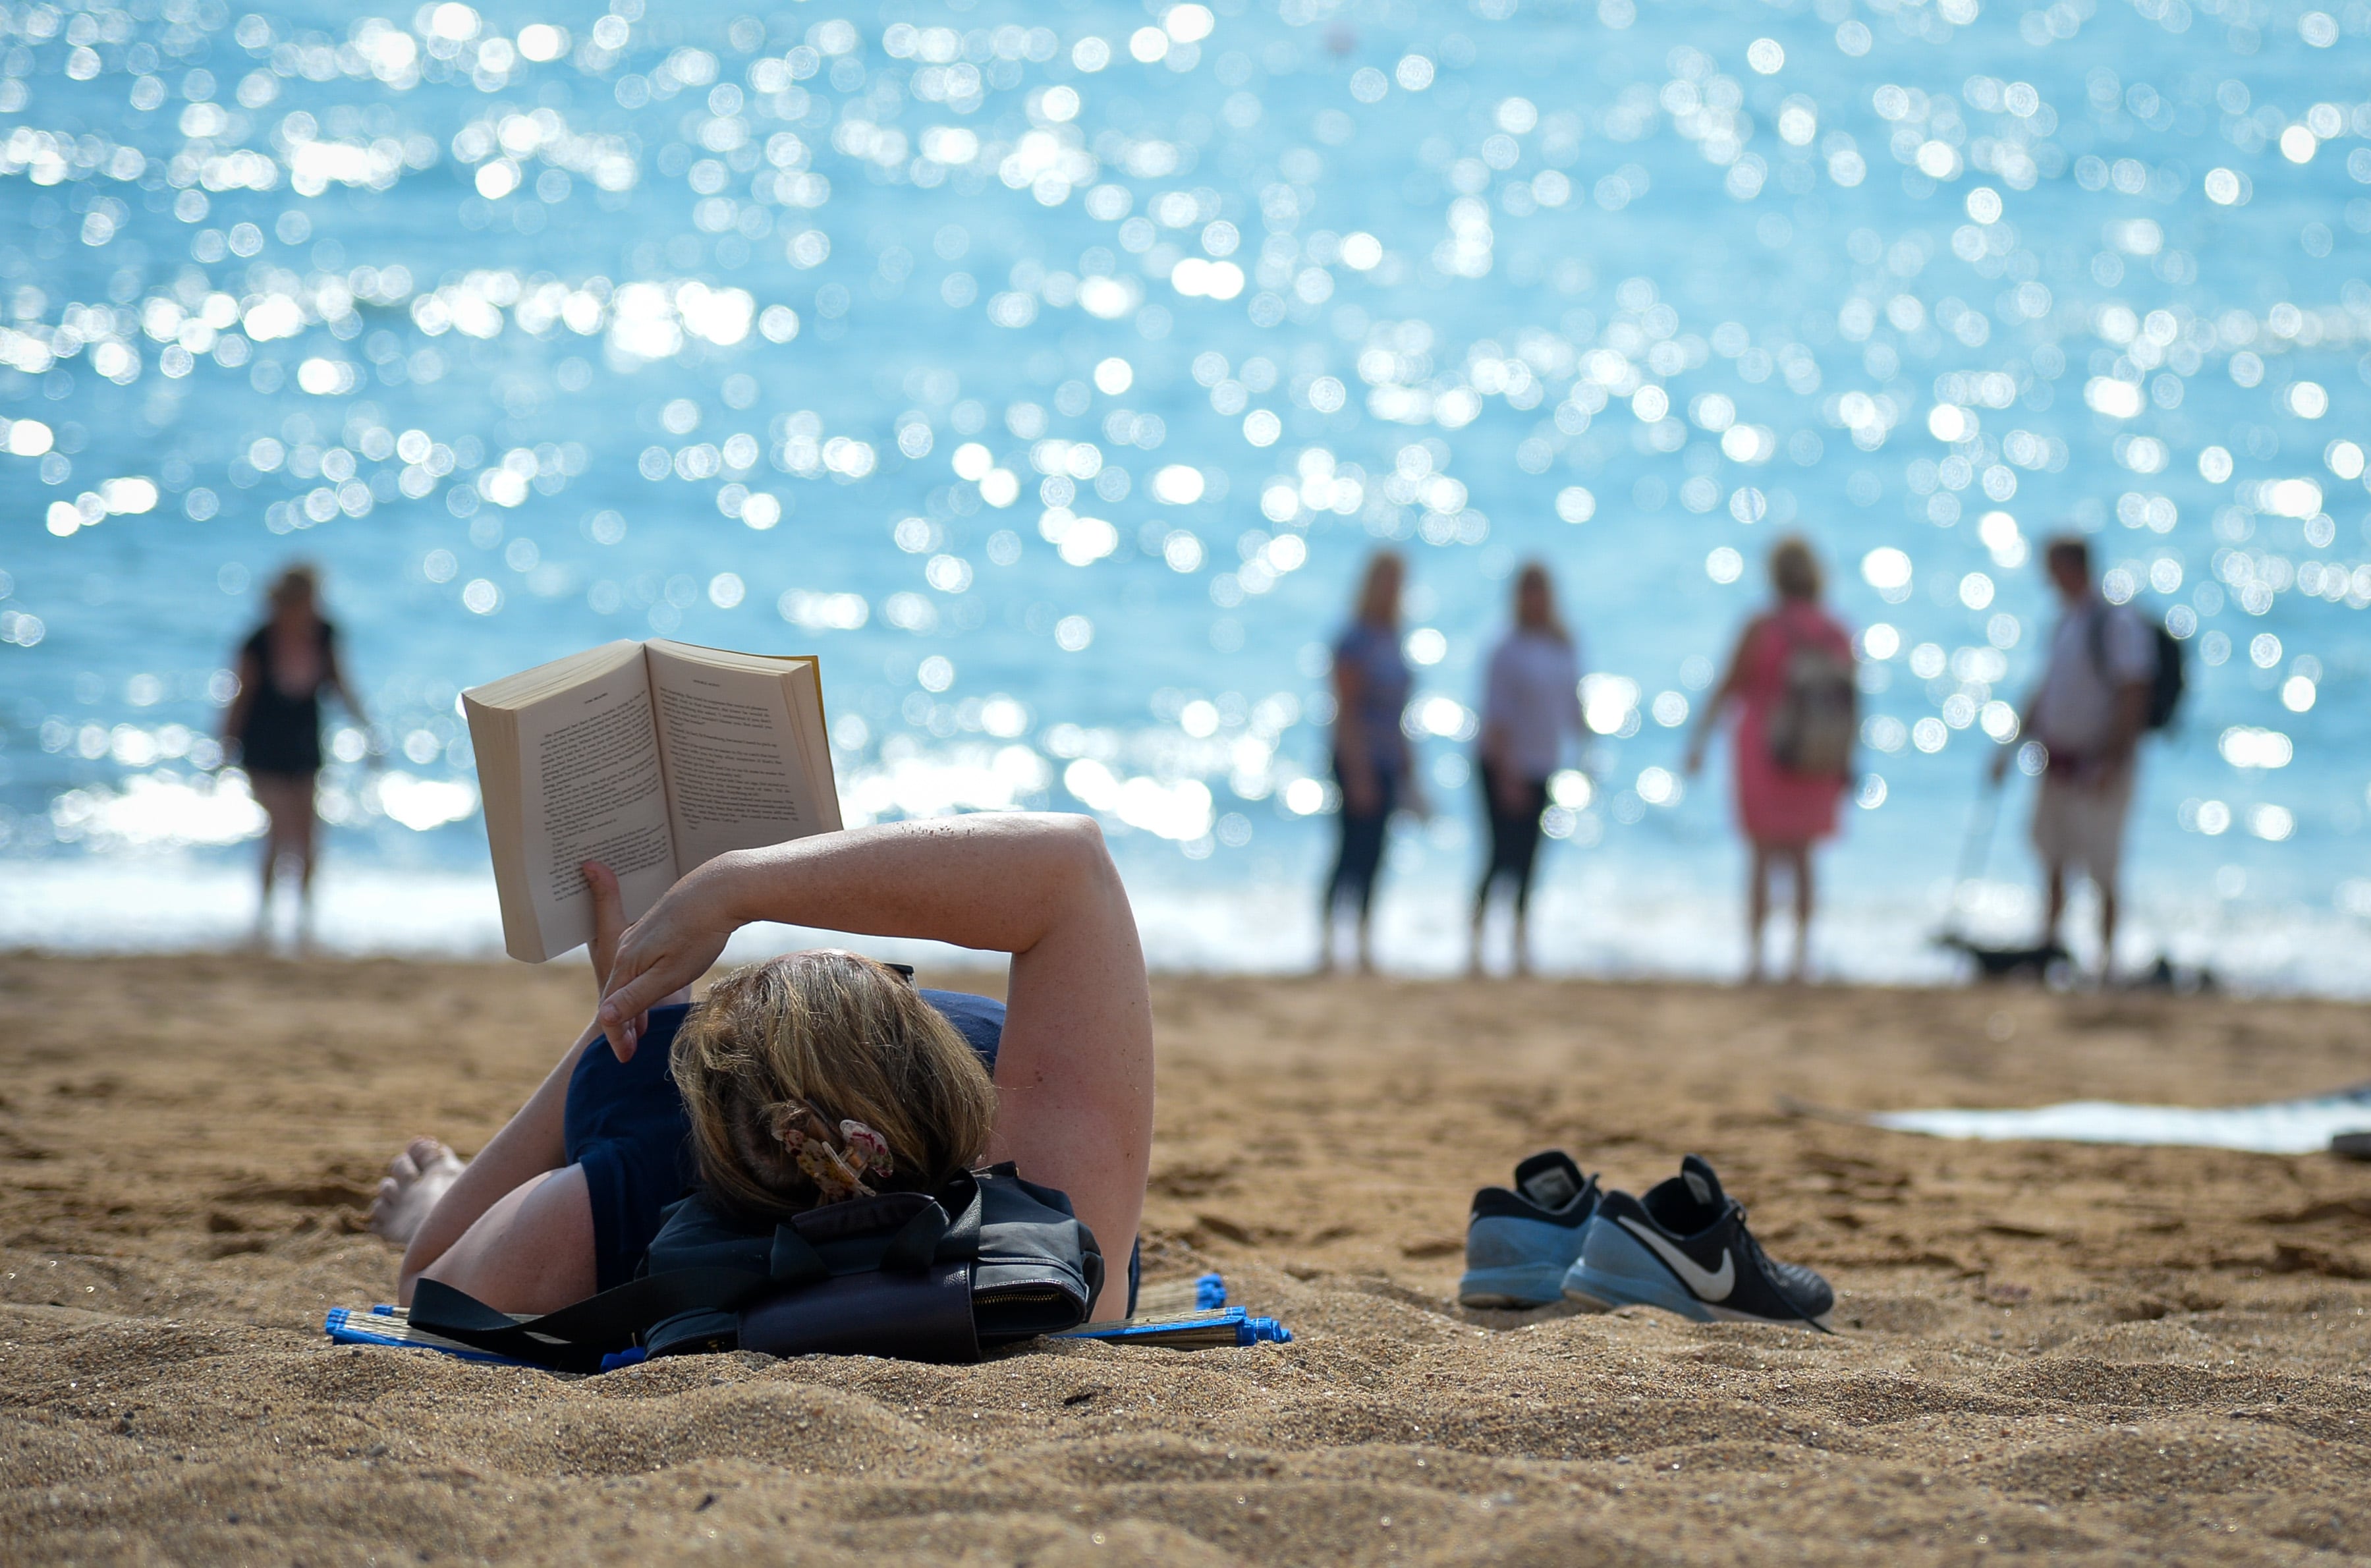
642, 978
623, 1019
642, 952
622, 1023
665, 950
620, 954
609, 931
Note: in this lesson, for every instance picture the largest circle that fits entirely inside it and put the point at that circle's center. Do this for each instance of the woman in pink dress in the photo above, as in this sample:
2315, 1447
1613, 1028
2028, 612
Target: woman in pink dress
1791, 678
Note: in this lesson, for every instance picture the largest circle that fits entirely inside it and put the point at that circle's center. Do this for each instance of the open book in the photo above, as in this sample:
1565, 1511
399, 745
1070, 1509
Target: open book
650, 758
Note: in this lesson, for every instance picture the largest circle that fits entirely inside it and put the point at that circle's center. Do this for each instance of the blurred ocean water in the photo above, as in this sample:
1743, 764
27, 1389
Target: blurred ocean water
1050, 373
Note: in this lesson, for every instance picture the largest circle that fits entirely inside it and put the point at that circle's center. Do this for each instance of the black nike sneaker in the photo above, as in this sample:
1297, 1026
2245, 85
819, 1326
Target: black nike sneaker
1684, 1247
1522, 1242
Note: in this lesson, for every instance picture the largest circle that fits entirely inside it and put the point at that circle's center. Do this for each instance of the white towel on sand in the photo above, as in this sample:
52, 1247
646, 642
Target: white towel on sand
2278, 1127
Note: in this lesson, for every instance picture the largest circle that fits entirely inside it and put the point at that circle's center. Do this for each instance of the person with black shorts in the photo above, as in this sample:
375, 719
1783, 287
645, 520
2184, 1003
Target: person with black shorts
659, 1095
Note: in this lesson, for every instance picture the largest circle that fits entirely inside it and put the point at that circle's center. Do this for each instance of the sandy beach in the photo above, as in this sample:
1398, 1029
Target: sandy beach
2090, 1352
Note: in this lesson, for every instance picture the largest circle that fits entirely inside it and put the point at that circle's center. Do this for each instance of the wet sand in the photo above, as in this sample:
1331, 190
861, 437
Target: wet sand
2092, 1352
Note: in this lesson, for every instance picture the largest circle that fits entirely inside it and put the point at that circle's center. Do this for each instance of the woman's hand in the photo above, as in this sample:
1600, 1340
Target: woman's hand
608, 930
674, 944
1732, 682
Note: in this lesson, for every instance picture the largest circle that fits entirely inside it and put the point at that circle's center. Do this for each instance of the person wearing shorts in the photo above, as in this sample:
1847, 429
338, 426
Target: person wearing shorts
564, 1202
2087, 713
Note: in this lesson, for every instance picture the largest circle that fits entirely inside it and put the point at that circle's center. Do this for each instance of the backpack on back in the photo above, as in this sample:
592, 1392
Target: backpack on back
2167, 681
987, 1261
1811, 730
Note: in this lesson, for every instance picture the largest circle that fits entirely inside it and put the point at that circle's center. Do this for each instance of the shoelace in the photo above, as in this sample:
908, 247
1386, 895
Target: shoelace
1763, 1262
1754, 1255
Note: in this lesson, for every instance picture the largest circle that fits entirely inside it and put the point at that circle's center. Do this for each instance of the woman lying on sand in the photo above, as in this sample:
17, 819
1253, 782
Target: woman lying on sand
565, 1199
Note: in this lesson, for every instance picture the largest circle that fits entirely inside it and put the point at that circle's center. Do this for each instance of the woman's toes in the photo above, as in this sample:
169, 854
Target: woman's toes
389, 1215
415, 1179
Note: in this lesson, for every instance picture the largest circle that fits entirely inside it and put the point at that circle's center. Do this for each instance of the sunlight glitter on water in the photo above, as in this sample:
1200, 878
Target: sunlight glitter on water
1068, 370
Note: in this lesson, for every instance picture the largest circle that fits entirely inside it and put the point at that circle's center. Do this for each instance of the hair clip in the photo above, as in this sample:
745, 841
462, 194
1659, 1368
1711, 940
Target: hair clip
866, 1148
838, 1173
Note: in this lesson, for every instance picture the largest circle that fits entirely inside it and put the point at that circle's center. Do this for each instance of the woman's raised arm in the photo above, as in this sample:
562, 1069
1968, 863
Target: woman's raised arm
1040, 887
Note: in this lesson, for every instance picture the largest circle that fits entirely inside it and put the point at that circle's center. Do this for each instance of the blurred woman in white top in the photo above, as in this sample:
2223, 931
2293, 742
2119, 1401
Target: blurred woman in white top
1531, 705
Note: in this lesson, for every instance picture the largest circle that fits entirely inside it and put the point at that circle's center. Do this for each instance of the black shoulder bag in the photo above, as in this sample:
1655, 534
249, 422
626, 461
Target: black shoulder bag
988, 1260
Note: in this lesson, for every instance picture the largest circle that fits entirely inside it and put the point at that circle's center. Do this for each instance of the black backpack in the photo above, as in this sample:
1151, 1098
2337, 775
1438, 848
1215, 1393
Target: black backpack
987, 1261
2166, 684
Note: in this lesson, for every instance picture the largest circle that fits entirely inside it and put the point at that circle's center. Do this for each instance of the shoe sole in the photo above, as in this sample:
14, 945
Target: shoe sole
1618, 1271
1513, 1285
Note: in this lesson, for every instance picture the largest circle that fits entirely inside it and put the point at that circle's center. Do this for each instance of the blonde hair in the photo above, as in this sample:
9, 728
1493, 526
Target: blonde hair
1794, 570
843, 1035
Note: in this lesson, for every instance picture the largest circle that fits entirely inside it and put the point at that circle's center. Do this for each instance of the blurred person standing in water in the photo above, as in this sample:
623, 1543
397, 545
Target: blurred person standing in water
1530, 701
2089, 712
1791, 680
1373, 761
275, 723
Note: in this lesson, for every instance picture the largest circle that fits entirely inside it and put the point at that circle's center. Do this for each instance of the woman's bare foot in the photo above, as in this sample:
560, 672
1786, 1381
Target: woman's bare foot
415, 1179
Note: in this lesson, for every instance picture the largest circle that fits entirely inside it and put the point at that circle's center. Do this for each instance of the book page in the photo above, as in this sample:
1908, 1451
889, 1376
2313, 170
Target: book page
593, 790
804, 691
736, 771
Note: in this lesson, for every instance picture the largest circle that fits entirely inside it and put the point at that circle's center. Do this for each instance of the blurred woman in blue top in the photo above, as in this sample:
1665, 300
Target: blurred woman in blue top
1372, 760
1531, 703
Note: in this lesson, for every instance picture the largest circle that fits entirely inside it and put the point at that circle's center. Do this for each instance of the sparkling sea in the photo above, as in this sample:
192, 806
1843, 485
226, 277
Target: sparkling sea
1050, 372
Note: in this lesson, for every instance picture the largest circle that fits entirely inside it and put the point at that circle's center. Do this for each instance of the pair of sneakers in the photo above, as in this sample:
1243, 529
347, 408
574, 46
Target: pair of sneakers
1554, 1235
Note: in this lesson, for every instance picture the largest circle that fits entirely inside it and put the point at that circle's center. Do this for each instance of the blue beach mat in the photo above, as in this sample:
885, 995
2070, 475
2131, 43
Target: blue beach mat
1188, 1331
2303, 1126
391, 1326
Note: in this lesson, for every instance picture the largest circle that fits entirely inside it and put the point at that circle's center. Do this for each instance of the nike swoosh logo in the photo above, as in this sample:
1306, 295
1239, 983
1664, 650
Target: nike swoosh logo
1712, 1287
